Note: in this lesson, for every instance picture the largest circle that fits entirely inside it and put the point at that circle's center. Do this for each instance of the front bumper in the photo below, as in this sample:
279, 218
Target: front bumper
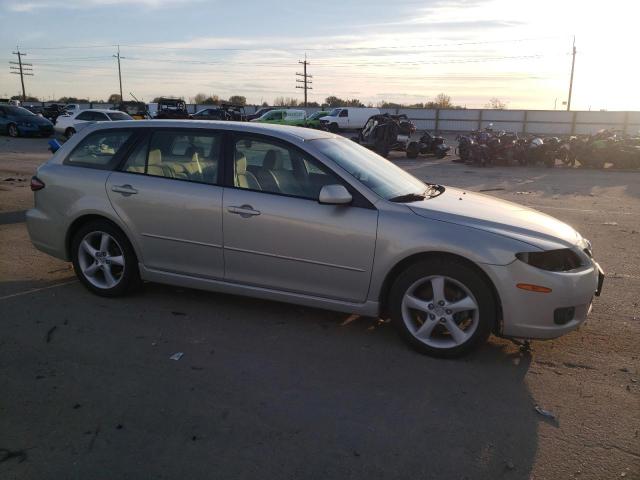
527, 314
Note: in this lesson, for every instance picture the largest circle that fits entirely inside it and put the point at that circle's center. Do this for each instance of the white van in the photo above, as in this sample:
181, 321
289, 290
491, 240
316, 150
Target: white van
285, 116
348, 118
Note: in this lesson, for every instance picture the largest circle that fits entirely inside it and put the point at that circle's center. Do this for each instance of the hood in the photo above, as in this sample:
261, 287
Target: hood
498, 216
35, 119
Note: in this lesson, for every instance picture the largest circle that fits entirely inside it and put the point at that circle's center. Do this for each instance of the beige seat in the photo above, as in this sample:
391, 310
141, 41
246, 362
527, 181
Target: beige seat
156, 167
244, 178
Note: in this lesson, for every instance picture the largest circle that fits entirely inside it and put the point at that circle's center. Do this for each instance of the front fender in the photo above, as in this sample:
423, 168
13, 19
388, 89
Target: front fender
401, 236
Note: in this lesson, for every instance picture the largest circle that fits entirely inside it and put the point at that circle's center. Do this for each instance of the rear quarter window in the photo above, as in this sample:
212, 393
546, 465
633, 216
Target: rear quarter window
99, 149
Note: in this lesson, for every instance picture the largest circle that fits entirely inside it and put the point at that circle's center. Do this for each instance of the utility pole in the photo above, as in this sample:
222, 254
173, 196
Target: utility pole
573, 64
23, 69
305, 78
119, 72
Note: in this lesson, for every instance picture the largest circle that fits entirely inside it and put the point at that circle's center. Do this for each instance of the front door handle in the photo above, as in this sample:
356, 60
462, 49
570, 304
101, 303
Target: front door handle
124, 189
244, 211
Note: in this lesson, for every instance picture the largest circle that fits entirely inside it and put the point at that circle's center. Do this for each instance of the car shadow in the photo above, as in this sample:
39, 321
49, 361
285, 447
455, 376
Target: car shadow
263, 390
359, 400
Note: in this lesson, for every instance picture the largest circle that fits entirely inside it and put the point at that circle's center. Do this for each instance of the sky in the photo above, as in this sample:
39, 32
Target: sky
373, 50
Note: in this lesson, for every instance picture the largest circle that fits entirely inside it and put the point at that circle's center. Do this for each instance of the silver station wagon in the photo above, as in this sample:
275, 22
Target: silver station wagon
307, 217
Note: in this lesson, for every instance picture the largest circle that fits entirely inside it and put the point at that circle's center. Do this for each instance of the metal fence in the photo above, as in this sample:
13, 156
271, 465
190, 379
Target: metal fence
545, 122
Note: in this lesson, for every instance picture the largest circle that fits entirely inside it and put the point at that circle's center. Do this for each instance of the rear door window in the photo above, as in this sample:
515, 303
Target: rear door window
190, 156
99, 149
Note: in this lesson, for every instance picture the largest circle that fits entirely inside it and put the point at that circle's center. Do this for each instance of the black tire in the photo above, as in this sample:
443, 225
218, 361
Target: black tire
130, 278
12, 130
465, 275
69, 132
333, 128
413, 150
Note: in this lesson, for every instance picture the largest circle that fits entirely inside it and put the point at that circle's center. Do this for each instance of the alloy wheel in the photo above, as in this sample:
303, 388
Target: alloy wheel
13, 130
101, 260
440, 312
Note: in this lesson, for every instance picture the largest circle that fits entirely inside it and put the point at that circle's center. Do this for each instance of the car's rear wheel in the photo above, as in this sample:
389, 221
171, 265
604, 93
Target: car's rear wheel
104, 259
69, 132
442, 308
12, 130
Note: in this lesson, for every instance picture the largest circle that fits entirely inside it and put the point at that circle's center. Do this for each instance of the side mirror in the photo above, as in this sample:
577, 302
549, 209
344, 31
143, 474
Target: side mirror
335, 195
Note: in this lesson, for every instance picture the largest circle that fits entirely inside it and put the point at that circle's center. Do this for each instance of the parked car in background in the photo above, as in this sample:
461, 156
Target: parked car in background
313, 120
71, 108
68, 125
261, 111
37, 109
348, 118
53, 110
211, 113
310, 218
284, 117
172, 108
18, 121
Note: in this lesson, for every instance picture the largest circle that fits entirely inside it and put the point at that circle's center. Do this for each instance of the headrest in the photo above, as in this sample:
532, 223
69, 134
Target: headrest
241, 163
155, 157
270, 161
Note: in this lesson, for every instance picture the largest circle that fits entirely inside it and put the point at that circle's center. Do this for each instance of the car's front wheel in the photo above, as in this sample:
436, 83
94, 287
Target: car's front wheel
442, 307
104, 260
12, 130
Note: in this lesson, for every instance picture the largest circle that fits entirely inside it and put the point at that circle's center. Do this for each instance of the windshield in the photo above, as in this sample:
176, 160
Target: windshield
335, 112
380, 175
317, 115
118, 116
18, 111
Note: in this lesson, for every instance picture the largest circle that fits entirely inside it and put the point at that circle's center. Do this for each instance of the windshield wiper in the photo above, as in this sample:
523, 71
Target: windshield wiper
432, 191
408, 197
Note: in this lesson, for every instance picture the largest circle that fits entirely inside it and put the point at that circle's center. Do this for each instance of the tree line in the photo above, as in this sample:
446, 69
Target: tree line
440, 101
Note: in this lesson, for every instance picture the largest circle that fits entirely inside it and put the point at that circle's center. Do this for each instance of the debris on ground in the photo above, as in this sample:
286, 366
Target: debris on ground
523, 193
610, 224
177, 356
509, 465
50, 333
544, 413
491, 189
178, 314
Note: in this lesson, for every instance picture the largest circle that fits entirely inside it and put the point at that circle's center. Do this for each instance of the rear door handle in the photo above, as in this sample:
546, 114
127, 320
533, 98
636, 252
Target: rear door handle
124, 189
244, 211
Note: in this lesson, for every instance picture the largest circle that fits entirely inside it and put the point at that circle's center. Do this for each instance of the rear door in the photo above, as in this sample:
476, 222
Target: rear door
168, 194
276, 233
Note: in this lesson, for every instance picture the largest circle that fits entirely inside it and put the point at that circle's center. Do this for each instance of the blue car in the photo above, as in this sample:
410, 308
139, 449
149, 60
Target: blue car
17, 121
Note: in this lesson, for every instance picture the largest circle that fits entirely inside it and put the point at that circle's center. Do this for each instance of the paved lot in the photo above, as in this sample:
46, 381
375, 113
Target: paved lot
269, 390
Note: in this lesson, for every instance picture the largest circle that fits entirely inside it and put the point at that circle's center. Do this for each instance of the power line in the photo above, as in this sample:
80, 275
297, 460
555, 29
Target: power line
23, 69
305, 78
288, 48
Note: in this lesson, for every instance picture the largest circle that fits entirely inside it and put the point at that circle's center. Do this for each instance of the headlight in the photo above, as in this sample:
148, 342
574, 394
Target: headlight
561, 260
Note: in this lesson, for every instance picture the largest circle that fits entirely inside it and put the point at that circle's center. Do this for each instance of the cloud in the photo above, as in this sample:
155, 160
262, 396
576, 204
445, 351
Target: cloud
36, 5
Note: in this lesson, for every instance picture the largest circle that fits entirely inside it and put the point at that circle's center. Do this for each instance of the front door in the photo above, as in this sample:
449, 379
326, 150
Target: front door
168, 195
277, 235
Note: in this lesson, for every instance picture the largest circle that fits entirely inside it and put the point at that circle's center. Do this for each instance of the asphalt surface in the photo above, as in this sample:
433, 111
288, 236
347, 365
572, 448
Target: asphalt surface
270, 390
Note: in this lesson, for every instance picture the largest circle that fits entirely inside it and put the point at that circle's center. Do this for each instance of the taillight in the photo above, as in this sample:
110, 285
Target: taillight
36, 184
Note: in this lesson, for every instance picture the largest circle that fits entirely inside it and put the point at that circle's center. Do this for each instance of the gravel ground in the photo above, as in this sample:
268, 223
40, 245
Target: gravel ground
269, 390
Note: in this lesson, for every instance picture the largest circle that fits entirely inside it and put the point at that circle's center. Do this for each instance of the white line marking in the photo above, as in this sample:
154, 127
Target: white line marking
33, 290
